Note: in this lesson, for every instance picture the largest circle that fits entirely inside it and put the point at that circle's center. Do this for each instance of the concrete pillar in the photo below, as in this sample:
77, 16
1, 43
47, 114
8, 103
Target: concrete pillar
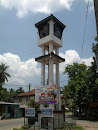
58, 87
51, 77
48, 74
43, 51
43, 68
57, 51
50, 71
50, 47
58, 107
6, 111
51, 29
42, 73
18, 111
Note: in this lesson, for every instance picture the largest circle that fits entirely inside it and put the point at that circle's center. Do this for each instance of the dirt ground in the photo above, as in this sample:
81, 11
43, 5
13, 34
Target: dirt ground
88, 125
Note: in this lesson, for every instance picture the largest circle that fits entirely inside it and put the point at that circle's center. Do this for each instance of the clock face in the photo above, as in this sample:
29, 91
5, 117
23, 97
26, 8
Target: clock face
44, 30
58, 31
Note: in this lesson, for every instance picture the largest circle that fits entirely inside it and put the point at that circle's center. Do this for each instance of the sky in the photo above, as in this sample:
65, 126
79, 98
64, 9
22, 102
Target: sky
19, 43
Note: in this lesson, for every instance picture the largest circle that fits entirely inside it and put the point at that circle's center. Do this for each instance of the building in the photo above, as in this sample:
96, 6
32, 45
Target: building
9, 110
23, 98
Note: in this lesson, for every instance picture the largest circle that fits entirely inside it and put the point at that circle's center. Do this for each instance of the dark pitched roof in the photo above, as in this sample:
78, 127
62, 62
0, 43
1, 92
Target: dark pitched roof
32, 92
60, 59
47, 19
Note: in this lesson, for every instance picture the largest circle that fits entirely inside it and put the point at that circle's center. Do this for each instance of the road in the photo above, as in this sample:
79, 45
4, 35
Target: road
11, 123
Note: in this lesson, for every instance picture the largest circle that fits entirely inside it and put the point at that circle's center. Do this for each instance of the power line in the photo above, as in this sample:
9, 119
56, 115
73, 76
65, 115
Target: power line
85, 28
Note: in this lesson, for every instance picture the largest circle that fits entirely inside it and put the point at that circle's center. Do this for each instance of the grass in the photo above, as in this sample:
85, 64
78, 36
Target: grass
18, 129
76, 127
22, 128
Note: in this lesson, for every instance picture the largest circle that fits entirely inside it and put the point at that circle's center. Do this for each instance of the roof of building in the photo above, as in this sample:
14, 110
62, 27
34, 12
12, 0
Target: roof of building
32, 92
47, 19
8, 103
57, 59
23, 106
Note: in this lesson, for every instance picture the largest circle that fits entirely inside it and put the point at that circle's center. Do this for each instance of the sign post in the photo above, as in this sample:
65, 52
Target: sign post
29, 112
47, 112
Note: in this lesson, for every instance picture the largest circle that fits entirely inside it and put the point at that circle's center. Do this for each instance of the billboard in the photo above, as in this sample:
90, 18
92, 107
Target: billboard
46, 94
30, 112
46, 112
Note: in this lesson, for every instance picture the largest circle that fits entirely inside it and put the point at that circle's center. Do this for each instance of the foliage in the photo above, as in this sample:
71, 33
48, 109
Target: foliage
22, 128
95, 45
76, 84
82, 85
33, 105
3, 91
19, 90
3, 74
77, 127
9, 94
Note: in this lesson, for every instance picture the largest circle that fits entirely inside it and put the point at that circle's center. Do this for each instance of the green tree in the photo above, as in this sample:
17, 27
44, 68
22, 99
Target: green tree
3, 74
4, 95
33, 105
76, 88
19, 90
3, 77
11, 94
82, 85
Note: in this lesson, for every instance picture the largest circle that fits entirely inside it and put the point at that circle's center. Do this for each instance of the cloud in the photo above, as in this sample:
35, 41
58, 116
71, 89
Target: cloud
25, 7
72, 56
23, 73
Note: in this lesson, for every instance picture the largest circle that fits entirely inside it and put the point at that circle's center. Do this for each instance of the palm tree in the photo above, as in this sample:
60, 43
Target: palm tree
3, 74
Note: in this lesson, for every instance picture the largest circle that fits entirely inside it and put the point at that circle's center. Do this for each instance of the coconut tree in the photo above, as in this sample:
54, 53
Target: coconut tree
3, 74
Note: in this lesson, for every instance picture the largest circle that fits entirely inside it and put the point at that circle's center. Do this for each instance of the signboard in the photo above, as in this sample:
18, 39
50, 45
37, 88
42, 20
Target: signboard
30, 112
46, 94
46, 112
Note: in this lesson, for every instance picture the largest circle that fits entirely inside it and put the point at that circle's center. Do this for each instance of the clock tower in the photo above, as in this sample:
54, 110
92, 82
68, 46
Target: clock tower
50, 32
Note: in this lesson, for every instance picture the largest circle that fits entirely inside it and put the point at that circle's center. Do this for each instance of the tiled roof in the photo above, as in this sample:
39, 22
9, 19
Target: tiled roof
47, 19
32, 92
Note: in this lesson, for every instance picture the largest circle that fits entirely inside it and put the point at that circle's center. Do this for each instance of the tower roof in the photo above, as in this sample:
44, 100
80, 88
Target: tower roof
49, 18
56, 58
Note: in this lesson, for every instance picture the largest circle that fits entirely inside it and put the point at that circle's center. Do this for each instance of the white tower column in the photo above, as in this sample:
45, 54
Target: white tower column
50, 47
58, 82
50, 65
43, 68
42, 73
58, 87
51, 70
57, 51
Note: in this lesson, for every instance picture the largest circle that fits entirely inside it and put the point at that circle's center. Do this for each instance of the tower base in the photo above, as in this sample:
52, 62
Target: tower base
55, 122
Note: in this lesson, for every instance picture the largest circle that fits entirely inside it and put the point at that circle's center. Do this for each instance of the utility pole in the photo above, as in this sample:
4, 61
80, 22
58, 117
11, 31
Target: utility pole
29, 94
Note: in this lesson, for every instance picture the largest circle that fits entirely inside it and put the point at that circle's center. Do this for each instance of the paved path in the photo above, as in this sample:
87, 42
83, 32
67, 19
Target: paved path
11, 123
